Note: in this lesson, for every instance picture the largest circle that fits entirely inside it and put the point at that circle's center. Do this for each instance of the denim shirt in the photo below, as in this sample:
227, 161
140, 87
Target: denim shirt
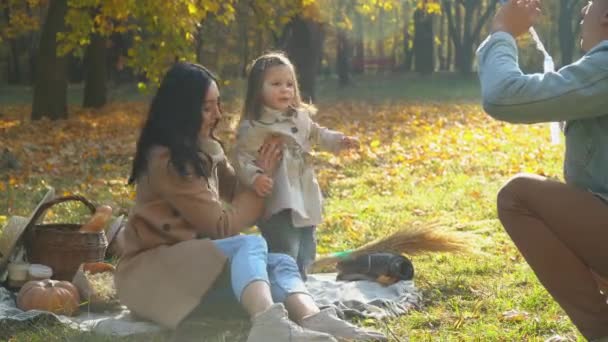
577, 94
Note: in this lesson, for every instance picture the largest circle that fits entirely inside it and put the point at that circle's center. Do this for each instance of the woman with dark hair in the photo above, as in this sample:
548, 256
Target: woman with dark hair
181, 240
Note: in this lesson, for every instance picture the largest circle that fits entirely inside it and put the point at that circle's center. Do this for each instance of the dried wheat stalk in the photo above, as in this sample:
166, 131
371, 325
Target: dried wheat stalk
411, 240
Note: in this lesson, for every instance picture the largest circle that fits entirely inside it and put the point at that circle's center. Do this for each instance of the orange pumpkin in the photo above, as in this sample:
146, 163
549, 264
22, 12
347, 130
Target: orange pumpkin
59, 297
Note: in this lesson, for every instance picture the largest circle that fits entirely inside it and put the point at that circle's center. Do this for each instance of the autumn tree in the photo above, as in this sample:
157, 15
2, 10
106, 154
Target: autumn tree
466, 19
162, 31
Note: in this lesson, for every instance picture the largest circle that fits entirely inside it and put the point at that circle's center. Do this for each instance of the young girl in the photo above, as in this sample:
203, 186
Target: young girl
273, 107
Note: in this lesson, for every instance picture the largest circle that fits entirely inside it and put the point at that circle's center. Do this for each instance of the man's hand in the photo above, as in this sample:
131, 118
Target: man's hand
263, 185
516, 17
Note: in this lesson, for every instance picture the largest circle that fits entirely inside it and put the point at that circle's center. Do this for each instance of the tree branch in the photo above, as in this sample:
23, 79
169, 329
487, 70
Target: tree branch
482, 20
453, 32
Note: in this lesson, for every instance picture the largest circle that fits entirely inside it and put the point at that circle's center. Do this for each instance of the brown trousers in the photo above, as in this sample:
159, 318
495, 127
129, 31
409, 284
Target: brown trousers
562, 232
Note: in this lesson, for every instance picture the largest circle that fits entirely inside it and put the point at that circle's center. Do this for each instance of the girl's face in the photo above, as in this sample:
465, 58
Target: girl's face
278, 89
211, 110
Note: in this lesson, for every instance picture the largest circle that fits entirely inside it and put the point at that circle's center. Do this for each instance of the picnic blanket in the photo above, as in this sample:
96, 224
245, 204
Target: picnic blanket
353, 299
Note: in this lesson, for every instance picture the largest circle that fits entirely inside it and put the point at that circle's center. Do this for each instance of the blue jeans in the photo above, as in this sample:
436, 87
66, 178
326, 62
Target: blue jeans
283, 237
249, 261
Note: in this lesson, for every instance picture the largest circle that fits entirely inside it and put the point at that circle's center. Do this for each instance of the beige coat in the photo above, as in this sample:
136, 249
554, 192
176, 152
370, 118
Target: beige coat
169, 261
295, 184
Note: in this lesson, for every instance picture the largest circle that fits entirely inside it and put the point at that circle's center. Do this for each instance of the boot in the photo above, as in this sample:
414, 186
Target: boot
274, 325
327, 321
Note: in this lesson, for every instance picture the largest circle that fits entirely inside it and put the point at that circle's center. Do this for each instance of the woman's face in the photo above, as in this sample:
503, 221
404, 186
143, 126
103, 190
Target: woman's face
211, 110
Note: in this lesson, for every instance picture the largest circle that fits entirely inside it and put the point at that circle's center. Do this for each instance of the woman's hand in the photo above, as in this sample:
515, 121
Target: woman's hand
516, 17
263, 185
270, 154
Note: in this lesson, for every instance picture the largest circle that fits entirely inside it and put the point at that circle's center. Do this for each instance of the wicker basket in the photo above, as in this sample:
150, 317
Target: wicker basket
62, 246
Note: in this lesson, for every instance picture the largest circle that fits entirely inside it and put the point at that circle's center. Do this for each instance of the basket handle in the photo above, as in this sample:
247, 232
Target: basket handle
46, 206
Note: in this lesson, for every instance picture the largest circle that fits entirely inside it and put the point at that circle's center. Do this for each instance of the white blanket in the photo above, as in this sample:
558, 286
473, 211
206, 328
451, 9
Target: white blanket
360, 298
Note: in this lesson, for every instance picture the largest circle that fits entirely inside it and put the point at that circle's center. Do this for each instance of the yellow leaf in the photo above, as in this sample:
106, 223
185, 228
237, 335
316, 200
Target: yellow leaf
514, 316
192, 10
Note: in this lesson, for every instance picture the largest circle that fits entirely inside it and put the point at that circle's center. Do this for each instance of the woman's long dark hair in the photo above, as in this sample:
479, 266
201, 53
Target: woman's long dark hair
175, 120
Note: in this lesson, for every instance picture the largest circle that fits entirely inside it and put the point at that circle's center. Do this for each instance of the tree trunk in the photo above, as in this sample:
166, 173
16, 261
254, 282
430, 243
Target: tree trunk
50, 89
95, 82
442, 48
343, 56
566, 31
464, 57
12, 67
380, 53
32, 58
424, 42
303, 43
407, 51
244, 41
259, 42
450, 55
465, 54
14, 70
198, 45
359, 44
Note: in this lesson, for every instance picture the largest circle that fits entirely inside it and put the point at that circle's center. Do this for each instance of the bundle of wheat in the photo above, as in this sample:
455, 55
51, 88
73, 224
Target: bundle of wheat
411, 240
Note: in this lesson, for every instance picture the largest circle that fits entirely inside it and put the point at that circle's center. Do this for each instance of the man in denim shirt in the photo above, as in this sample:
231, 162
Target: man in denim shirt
560, 229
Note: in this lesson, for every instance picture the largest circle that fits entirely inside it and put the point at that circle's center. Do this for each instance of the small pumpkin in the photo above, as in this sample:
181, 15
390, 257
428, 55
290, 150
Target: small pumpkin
59, 297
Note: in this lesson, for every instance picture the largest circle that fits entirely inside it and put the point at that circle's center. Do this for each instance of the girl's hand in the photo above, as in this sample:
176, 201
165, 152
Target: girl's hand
263, 185
516, 17
270, 154
350, 143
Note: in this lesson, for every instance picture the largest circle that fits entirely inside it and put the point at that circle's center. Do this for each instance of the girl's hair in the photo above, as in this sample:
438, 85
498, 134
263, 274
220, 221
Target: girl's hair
175, 120
255, 83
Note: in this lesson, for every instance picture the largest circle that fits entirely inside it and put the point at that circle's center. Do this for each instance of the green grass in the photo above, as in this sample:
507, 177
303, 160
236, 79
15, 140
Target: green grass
429, 154
375, 88
402, 87
18, 95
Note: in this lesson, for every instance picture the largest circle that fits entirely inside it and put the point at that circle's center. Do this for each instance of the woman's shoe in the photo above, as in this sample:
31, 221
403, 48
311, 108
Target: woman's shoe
327, 321
274, 325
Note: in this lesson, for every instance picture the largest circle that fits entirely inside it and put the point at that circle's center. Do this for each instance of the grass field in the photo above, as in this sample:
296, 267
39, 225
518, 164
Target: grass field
428, 154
